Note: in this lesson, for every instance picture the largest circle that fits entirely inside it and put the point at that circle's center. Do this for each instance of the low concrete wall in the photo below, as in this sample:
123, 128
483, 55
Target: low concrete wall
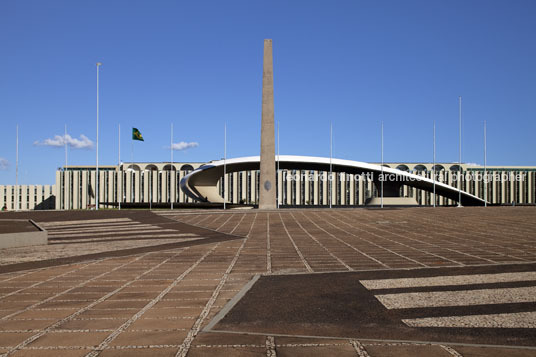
23, 239
392, 201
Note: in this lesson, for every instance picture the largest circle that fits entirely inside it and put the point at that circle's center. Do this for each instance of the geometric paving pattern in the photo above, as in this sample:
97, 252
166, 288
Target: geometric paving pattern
157, 302
453, 305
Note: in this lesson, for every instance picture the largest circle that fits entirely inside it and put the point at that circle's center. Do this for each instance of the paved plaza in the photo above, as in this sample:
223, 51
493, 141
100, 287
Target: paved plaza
311, 282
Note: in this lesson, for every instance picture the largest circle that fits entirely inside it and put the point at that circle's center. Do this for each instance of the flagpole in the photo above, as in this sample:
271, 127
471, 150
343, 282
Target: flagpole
17, 171
171, 167
434, 167
460, 157
224, 163
65, 144
119, 173
330, 161
131, 170
97, 166
485, 169
381, 181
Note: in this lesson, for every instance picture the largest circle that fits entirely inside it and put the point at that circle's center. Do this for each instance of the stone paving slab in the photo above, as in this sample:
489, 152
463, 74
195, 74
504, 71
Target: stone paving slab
140, 297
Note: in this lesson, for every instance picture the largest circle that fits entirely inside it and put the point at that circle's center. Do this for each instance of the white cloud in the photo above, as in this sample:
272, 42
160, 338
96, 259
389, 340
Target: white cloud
184, 145
4, 164
60, 140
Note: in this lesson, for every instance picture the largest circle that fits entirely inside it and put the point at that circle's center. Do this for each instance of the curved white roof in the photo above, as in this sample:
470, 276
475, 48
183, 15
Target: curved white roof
201, 183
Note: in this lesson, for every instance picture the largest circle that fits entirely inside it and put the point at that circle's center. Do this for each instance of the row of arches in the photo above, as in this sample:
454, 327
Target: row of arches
153, 167
422, 168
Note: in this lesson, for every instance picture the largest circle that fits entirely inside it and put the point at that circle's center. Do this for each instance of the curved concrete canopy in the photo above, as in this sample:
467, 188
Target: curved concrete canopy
201, 184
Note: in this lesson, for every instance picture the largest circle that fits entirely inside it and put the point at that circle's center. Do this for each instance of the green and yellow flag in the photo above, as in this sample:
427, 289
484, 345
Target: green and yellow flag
136, 135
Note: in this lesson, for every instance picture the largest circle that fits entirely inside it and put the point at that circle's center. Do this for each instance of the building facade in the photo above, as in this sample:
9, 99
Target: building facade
159, 183
27, 197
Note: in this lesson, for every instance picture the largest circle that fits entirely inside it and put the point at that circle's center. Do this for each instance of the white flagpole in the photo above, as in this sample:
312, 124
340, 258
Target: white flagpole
224, 164
485, 169
17, 192
381, 181
172, 198
434, 168
330, 161
460, 158
97, 166
65, 144
119, 173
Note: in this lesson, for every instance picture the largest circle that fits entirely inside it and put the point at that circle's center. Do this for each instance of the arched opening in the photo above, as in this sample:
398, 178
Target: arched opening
420, 168
187, 167
133, 167
402, 167
455, 168
169, 167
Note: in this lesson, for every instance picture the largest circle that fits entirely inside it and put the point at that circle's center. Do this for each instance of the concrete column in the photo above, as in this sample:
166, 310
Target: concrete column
253, 187
66, 183
494, 189
146, 187
110, 191
307, 188
360, 198
153, 189
235, 187
245, 186
288, 188
352, 190
58, 185
324, 184
118, 182
267, 187
513, 196
76, 188
503, 190
315, 192
128, 186
280, 188
333, 198
530, 177
298, 183
84, 190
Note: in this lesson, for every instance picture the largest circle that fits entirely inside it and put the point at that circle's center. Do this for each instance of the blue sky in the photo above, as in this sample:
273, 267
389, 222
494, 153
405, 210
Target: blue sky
198, 64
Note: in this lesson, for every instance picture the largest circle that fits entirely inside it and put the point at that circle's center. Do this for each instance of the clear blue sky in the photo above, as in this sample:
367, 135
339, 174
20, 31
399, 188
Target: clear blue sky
198, 64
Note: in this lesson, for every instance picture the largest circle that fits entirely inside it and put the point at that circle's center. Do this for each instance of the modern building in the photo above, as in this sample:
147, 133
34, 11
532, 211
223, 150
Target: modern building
161, 183
30, 197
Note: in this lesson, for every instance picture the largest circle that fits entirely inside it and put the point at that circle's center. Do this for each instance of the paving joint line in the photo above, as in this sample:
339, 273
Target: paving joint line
104, 344
320, 244
359, 348
185, 346
98, 301
304, 261
270, 347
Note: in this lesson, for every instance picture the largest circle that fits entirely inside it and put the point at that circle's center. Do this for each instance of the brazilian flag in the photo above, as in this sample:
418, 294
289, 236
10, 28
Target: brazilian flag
136, 135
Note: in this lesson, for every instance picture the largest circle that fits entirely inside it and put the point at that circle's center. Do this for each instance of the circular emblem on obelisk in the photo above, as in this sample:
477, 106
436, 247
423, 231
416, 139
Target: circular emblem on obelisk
267, 185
